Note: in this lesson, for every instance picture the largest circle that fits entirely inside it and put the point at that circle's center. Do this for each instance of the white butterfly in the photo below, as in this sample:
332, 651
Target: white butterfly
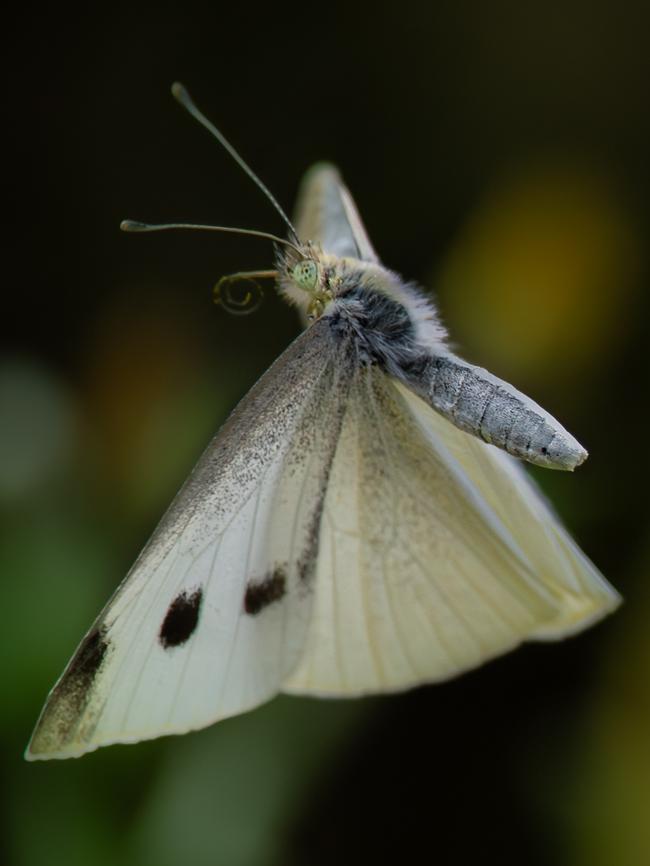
344, 533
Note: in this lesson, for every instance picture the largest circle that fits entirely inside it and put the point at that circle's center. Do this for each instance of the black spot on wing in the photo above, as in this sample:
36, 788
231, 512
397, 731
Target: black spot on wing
181, 619
260, 594
71, 697
88, 660
306, 565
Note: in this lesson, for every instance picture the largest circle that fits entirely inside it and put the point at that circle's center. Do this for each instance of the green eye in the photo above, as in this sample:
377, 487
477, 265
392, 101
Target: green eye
305, 274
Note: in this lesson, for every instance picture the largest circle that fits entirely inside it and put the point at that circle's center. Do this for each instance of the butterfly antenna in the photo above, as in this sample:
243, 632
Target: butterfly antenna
181, 95
136, 226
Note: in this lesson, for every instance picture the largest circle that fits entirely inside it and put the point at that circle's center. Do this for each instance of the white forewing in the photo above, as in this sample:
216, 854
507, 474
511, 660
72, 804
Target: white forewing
213, 616
432, 560
326, 215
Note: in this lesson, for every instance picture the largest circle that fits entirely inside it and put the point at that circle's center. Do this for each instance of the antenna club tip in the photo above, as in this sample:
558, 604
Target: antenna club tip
179, 92
130, 226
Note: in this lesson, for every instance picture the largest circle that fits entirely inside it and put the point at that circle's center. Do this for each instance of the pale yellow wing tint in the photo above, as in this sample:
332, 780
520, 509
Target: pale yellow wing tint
503, 482
432, 558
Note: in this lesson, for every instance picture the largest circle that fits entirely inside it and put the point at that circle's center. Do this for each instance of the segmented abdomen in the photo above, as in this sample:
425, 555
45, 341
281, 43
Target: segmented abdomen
486, 406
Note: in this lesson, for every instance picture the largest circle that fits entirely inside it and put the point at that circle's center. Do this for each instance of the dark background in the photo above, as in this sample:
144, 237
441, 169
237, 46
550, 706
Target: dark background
499, 155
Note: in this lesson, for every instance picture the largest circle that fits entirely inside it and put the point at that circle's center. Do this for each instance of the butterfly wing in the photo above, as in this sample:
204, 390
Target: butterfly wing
436, 554
585, 596
326, 215
213, 615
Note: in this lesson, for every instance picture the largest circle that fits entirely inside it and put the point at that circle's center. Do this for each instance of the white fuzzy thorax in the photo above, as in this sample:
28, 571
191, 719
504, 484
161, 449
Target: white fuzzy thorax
339, 278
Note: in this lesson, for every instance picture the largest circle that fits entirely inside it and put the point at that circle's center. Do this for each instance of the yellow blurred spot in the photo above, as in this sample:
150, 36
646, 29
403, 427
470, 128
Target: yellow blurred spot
542, 276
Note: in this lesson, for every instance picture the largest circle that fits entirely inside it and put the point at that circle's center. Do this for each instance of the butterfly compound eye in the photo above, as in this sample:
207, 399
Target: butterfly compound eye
305, 274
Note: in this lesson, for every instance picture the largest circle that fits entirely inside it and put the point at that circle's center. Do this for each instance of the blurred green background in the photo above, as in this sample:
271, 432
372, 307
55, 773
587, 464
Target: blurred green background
499, 155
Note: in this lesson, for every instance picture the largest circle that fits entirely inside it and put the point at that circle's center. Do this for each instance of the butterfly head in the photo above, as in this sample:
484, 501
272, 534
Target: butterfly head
305, 279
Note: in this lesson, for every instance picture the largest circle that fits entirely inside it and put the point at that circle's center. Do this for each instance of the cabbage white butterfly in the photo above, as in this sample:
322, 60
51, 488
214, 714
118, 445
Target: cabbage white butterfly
356, 526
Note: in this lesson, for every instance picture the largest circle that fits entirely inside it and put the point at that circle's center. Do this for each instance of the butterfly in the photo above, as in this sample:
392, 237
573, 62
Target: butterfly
360, 524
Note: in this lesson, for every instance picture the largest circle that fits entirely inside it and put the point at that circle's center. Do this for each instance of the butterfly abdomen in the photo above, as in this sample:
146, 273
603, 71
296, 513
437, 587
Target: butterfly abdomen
485, 406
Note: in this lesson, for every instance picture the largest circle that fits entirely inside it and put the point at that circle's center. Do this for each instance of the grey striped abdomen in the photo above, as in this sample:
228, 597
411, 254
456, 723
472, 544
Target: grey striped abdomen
480, 403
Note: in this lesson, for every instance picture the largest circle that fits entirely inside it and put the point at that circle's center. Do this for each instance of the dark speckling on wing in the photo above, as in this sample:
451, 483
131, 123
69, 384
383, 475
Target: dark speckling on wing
256, 429
73, 692
89, 659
